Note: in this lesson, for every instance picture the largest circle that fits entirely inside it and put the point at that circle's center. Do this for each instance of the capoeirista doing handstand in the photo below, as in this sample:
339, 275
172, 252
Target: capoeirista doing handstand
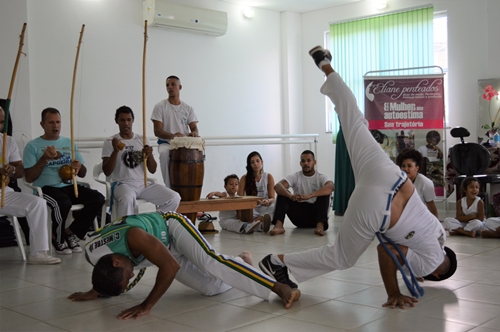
383, 204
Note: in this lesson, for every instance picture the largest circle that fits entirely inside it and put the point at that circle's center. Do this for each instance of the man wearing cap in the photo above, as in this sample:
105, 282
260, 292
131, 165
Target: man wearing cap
383, 205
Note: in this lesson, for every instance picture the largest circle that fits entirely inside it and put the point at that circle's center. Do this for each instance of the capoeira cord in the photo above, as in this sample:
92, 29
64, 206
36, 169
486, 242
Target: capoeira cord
412, 286
136, 280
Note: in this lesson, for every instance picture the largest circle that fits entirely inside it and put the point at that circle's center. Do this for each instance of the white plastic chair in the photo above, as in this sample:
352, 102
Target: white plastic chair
69, 218
142, 204
17, 231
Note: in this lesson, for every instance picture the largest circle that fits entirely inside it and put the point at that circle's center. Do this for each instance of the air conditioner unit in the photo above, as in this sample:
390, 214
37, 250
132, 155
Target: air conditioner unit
166, 15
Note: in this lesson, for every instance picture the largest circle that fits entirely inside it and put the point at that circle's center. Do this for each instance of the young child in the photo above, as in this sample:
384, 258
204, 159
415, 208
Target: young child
470, 211
228, 220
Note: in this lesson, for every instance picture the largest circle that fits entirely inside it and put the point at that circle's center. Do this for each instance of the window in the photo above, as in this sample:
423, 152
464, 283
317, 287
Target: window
402, 40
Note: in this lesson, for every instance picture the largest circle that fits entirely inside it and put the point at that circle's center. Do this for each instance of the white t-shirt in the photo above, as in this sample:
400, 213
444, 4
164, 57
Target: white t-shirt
129, 161
228, 214
305, 185
430, 154
422, 233
13, 155
425, 188
175, 118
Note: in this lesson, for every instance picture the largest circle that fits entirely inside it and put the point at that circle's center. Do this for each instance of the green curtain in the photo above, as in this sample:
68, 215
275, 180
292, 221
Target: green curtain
344, 180
394, 41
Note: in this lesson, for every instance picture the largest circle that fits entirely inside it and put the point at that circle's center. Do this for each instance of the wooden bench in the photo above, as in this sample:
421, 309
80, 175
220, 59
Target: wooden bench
245, 204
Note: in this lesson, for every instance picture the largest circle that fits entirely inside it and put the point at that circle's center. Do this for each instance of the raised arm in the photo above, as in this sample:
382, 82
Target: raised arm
150, 160
34, 172
158, 254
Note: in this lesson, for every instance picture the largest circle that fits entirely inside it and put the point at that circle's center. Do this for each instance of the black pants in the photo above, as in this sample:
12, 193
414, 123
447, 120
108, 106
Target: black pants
60, 201
302, 214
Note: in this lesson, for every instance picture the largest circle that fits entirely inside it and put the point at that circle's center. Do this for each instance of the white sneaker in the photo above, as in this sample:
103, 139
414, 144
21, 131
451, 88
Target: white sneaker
250, 227
42, 257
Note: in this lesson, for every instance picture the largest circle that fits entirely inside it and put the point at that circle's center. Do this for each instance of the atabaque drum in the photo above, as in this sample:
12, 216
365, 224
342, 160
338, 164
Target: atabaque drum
186, 168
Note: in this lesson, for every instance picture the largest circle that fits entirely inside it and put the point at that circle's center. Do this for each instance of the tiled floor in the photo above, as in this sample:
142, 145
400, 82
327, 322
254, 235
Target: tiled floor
33, 298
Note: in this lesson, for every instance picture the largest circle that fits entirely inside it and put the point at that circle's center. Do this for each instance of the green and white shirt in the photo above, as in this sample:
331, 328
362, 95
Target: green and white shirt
112, 238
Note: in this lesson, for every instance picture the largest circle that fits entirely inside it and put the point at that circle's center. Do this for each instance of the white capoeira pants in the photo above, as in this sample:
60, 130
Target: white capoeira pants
231, 224
35, 210
164, 152
127, 194
368, 212
262, 210
206, 270
492, 224
474, 225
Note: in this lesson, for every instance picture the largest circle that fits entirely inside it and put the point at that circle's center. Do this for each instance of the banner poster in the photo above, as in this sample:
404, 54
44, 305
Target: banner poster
408, 112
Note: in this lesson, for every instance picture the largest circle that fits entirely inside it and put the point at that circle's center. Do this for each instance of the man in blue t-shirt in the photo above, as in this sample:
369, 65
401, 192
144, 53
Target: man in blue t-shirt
43, 158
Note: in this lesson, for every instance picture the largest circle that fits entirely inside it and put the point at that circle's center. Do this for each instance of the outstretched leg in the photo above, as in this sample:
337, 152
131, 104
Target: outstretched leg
377, 180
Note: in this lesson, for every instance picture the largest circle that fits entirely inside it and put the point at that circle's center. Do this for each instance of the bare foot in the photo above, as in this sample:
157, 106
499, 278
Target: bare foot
489, 234
247, 257
287, 294
320, 230
461, 231
277, 231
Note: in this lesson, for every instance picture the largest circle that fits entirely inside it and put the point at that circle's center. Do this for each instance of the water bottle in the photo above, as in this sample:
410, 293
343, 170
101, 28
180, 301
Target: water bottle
496, 140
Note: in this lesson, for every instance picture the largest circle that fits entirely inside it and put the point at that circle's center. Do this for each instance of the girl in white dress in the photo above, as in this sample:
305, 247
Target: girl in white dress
470, 211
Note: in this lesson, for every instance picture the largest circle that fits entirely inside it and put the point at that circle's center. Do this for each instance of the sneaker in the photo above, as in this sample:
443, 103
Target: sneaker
42, 257
61, 248
266, 223
250, 227
319, 54
73, 243
280, 273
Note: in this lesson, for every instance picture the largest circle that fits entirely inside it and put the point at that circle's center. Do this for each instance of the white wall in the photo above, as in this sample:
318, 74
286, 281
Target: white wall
473, 47
257, 79
233, 81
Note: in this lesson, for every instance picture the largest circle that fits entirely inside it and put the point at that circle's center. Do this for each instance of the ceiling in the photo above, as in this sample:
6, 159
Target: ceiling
297, 6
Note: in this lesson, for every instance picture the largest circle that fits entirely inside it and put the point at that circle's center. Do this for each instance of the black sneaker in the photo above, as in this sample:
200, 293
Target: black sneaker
73, 243
280, 273
319, 54
61, 248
